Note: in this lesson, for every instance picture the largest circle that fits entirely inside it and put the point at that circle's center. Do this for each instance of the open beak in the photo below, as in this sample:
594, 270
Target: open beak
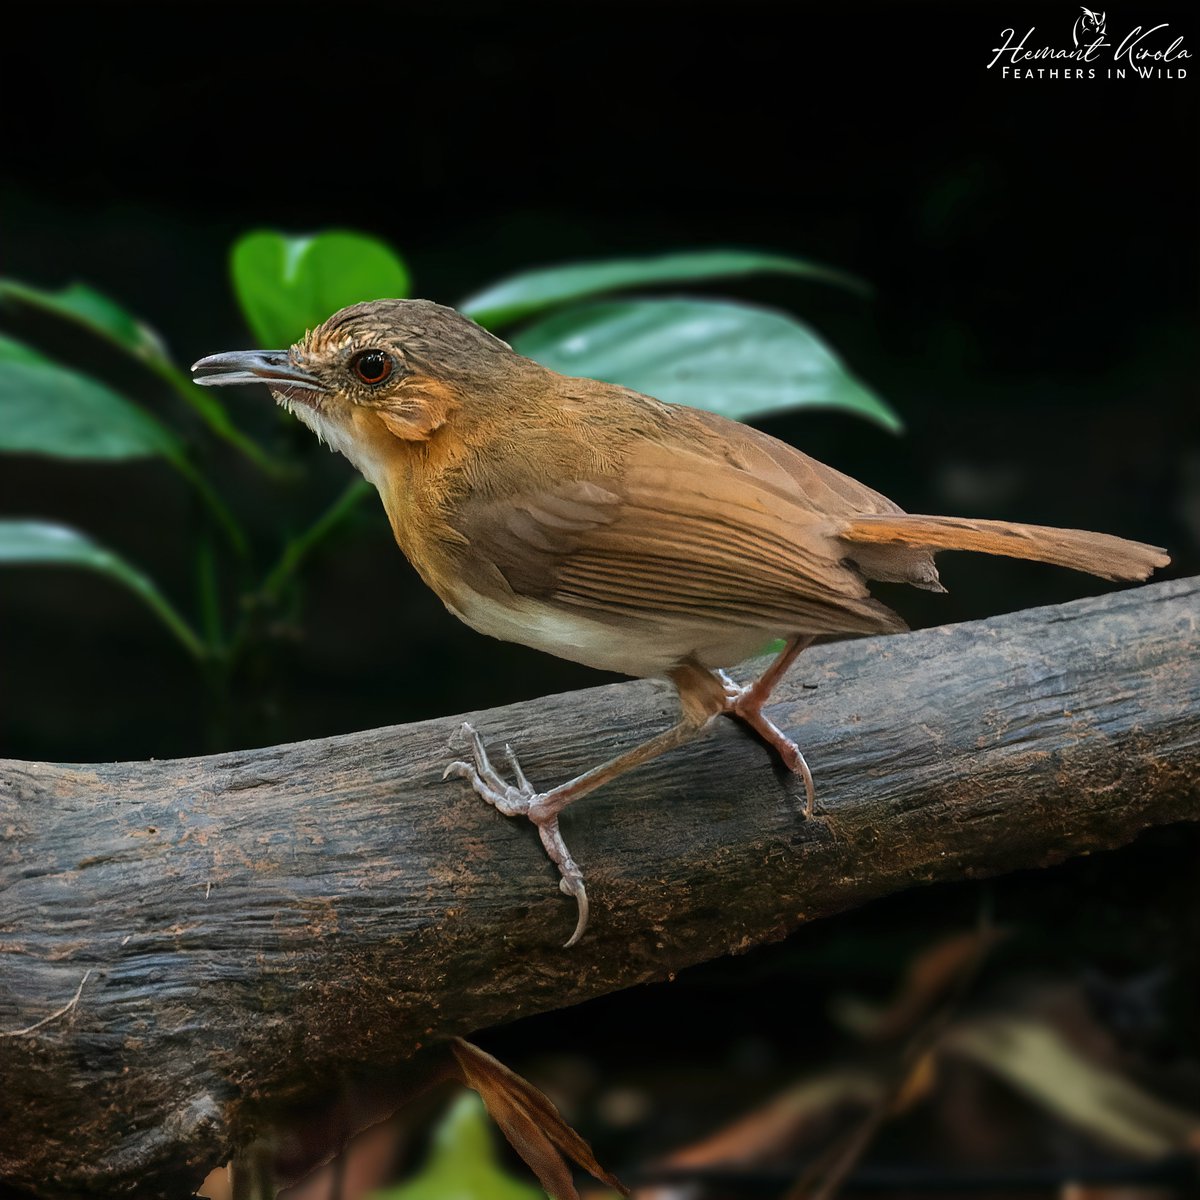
272, 367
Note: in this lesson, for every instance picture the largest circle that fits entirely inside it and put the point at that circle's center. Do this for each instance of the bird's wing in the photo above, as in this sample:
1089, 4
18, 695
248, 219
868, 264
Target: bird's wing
696, 533
798, 478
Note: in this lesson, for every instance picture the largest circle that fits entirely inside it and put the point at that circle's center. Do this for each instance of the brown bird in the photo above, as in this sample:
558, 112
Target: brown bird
613, 529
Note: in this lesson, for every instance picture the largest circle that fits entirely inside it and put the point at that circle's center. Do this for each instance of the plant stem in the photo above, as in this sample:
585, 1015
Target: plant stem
293, 555
210, 602
299, 548
166, 612
213, 414
216, 506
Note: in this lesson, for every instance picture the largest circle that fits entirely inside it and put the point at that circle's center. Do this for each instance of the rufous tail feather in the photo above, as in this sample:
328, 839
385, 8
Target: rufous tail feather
1096, 553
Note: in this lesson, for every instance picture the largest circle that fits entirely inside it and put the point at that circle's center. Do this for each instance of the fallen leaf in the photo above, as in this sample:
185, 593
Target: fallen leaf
531, 1123
1034, 1058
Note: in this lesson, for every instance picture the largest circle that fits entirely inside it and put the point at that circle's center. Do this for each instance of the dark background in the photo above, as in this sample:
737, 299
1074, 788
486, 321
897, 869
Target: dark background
1032, 245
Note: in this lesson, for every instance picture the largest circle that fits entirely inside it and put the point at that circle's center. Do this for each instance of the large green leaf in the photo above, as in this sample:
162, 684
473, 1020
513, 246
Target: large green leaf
534, 291
48, 409
462, 1162
87, 307
287, 285
42, 543
731, 359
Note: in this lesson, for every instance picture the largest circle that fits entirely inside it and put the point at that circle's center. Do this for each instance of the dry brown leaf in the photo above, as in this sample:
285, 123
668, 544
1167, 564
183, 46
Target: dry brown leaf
929, 978
529, 1120
773, 1129
917, 1084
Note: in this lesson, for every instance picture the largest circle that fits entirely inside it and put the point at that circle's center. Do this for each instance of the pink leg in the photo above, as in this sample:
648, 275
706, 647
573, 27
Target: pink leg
746, 704
703, 695
543, 808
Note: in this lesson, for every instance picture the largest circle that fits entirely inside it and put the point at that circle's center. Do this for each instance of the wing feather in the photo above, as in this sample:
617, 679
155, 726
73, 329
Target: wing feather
701, 536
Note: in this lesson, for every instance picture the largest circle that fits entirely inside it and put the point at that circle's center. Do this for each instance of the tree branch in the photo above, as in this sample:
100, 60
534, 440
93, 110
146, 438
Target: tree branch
255, 922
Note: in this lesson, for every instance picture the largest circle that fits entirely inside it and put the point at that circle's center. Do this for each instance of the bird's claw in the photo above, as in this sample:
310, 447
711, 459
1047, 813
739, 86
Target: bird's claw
734, 691
573, 886
520, 800
740, 702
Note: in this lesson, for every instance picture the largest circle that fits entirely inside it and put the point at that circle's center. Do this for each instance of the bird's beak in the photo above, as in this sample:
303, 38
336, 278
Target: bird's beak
272, 367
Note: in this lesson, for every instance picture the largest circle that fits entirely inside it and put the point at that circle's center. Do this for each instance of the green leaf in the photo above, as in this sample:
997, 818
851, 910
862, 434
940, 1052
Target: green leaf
462, 1162
48, 409
87, 307
42, 543
287, 285
731, 359
14, 351
534, 291
107, 319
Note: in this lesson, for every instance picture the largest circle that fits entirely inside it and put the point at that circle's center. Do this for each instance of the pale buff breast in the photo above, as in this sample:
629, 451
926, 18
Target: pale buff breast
643, 648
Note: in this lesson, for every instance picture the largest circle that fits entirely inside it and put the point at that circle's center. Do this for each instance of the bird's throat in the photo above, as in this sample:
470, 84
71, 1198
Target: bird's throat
354, 433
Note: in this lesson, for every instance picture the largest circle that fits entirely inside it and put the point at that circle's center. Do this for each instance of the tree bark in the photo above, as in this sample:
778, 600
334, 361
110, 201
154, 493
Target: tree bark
250, 924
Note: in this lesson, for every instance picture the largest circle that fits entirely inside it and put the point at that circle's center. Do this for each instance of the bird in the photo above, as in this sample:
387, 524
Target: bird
613, 529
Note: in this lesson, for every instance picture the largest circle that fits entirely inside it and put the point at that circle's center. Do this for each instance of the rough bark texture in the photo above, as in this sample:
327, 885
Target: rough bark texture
253, 922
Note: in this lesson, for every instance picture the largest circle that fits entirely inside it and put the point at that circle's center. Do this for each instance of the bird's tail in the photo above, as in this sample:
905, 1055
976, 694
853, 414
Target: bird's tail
1096, 553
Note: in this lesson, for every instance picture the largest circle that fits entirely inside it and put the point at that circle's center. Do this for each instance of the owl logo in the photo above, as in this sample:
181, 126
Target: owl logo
1088, 28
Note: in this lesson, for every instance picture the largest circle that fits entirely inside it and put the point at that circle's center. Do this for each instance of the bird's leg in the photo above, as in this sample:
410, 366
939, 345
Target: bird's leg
746, 704
701, 695
522, 801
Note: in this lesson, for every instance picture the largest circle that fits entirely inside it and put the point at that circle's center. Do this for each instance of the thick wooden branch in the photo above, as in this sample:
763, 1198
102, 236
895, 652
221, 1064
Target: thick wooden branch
245, 925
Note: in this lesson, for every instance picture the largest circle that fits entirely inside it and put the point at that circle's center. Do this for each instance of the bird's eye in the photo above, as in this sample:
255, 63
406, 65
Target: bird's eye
372, 366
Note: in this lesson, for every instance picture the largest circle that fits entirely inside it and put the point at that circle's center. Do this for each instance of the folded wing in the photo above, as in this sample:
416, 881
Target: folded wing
717, 534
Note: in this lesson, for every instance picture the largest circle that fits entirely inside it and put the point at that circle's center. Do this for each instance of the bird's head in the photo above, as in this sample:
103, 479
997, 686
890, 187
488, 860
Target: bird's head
374, 373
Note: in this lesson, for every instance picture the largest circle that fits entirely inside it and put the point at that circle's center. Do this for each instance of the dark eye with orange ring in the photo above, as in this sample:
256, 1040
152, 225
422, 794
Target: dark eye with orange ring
372, 366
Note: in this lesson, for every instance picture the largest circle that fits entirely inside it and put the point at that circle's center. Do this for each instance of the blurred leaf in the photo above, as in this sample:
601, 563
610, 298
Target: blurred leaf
42, 543
462, 1162
107, 319
930, 977
774, 647
287, 285
1037, 1060
772, 1132
731, 359
48, 409
14, 351
534, 1127
85, 306
534, 291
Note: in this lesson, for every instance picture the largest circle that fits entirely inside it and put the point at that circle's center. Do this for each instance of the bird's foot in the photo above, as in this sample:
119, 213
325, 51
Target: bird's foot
745, 703
521, 800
